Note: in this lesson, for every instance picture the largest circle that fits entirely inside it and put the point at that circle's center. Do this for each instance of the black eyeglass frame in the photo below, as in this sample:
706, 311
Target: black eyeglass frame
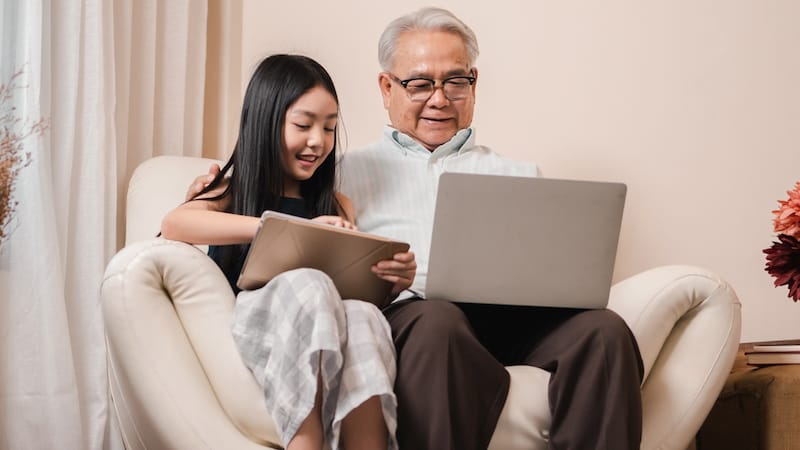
470, 79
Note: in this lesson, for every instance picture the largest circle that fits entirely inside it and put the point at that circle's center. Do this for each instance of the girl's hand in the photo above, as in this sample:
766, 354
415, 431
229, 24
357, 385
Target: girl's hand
202, 181
400, 270
335, 221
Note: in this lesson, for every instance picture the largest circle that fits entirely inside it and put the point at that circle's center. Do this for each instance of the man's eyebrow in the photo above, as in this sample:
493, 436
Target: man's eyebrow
458, 73
448, 74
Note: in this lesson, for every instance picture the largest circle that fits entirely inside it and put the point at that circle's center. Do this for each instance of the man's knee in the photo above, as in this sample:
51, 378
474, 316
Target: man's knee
610, 332
435, 322
607, 328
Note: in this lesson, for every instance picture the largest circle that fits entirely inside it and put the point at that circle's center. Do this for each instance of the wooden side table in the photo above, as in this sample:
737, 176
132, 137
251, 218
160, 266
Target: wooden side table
758, 409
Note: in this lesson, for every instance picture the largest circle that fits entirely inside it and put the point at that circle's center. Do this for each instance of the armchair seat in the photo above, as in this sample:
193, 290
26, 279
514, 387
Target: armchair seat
177, 380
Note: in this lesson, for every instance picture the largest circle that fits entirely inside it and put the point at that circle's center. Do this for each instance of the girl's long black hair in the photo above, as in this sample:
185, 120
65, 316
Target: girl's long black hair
257, 176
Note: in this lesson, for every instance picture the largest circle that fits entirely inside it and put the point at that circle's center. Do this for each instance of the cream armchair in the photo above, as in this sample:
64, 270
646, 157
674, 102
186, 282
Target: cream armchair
177, 380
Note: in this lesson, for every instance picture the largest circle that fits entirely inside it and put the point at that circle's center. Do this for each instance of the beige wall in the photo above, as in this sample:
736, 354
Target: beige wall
695, 104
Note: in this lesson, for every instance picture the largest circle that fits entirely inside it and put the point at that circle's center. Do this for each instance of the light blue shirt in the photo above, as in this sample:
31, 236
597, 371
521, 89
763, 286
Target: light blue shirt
393, 185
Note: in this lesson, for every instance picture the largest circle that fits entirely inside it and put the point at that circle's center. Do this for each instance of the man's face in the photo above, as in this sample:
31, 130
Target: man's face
435, 55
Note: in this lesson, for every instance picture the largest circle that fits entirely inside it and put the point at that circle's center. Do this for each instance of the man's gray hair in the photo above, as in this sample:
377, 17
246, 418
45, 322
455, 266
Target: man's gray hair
425, 19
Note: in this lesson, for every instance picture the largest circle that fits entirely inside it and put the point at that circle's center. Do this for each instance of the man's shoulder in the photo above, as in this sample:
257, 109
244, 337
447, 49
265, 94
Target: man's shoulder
485, 160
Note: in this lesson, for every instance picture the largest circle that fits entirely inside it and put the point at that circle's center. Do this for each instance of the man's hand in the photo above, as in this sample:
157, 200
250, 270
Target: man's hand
335, 221
400, 270
202, 181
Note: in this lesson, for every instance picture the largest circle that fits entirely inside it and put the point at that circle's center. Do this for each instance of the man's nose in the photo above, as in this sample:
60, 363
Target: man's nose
438, 99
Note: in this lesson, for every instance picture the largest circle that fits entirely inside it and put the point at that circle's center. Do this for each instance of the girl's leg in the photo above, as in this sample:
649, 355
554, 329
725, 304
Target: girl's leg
366, 407
290, 334
364, 428
310, 434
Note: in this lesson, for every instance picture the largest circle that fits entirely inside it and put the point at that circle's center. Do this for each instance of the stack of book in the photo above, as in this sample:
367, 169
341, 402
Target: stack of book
774, 352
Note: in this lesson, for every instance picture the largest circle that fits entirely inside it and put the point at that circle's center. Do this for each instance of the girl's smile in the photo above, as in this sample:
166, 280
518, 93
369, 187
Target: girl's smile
307, 161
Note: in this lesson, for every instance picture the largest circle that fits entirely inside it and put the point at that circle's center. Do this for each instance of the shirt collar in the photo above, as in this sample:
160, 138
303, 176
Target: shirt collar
461, 140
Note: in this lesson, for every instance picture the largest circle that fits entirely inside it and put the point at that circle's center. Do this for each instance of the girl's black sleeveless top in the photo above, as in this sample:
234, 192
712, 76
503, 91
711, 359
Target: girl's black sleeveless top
286, 205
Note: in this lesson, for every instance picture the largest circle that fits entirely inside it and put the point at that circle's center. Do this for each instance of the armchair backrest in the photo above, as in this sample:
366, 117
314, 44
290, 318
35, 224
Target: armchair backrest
156, 186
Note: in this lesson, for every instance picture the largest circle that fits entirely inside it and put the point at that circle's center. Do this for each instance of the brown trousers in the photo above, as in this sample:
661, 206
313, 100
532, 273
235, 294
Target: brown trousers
451, 382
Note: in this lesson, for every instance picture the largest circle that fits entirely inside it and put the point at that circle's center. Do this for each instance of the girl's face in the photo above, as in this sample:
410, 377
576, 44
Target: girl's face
308, 136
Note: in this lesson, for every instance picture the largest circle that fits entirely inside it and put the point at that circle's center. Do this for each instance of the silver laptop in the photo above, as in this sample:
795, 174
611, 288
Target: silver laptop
524, 241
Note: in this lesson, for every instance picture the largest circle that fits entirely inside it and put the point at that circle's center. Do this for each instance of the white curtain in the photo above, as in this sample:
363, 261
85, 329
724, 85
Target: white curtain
118, 82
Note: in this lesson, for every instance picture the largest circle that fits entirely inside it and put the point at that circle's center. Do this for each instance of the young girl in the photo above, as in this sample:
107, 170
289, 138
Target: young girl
326, 365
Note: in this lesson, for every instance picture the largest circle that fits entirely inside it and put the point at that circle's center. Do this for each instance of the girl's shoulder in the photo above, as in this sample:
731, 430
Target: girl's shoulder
342, 198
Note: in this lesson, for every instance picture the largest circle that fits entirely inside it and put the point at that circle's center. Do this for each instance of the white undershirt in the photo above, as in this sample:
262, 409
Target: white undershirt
393, 184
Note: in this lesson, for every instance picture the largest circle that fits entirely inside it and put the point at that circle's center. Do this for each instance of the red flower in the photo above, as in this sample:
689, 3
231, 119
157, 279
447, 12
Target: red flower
787, 217
783, 263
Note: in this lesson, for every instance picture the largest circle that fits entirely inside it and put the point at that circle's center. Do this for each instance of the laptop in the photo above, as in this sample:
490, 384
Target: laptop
524, 241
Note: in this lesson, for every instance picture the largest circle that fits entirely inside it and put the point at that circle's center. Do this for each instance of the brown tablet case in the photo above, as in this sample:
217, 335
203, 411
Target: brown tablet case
284, 242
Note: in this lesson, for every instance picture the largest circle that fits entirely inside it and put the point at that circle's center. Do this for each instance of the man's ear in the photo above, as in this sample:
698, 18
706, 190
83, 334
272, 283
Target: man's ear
385, 84
475, 84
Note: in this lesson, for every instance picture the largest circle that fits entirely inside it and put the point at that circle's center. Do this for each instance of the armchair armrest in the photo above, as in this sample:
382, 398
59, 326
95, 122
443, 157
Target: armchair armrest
687, 323
177, 379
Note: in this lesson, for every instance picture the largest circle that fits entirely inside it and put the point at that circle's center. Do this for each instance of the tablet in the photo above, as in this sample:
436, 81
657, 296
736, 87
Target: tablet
284, 242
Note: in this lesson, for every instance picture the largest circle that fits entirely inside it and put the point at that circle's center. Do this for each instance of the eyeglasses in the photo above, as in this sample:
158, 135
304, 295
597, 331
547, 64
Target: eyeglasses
421, 89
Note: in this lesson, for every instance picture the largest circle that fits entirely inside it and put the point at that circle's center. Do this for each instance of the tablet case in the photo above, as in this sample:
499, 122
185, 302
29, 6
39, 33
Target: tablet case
284, 242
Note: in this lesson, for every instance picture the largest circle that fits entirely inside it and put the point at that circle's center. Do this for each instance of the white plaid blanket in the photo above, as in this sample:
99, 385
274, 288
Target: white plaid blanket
296, 327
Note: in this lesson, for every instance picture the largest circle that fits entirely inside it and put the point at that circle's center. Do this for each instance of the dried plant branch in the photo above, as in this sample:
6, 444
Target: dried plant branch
14, 131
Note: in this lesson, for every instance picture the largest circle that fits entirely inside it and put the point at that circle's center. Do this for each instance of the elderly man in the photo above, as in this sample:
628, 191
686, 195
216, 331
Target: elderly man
451, 382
